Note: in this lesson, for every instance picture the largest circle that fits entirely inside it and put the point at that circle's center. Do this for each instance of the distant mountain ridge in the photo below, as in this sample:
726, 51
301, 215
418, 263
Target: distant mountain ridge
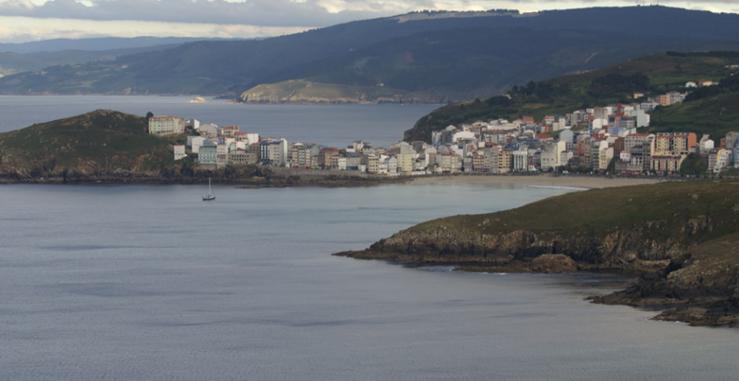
38, 55
92, 44
448, 55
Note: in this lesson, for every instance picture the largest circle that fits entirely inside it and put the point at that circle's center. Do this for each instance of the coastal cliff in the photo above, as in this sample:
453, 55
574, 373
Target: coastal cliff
680, 238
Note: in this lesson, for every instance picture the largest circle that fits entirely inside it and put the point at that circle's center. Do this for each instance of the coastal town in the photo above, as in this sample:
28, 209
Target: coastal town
608, 140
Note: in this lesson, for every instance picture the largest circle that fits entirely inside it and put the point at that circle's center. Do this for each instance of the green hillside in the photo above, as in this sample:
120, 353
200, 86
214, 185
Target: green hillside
713, 111
100, 142
650, 75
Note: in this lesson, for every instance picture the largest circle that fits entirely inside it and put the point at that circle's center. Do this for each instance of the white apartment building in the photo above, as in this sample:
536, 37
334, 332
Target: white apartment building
164, 125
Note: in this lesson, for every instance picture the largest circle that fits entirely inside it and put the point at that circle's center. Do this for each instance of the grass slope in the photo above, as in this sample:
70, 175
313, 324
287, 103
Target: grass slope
714, 115
597, 212
98, 142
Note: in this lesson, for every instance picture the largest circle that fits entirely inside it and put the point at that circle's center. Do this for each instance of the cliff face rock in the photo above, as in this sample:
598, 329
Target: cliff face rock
553, 263
633, 249
683, 238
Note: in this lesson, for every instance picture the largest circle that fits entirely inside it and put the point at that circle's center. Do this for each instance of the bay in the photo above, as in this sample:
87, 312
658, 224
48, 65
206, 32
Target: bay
330, 125
148, 282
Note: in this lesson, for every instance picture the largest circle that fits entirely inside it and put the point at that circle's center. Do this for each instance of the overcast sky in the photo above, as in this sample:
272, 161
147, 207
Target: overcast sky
23, 20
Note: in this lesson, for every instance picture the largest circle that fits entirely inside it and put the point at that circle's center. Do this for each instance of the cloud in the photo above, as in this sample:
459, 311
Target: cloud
289, 12
248, 18
14, 28
253, 12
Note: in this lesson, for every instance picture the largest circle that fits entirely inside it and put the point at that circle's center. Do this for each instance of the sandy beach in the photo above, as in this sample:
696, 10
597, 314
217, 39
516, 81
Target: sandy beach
539, 180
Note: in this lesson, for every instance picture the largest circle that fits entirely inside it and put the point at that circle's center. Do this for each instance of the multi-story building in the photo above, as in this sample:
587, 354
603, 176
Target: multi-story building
179, 152
164, 125
352, 160
230, 131
448, 163
666, 164
601, 155
684, 142
674, 143
505, 161
521, 161
718, 160
299, 156
207, 153
194, 142
327, 157
273, 152
551, 155
392, 166
222, 155
372, 162
662, 144
406, 156
635, 140
479, 164
238, 158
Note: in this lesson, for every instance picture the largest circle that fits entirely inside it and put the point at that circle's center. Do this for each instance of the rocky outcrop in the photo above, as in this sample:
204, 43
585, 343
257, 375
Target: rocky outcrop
701, 288
681, 238
553, 263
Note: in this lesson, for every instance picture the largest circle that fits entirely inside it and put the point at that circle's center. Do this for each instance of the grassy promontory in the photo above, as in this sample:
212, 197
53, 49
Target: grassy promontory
303, 91
680, 237
111, 147
99, 143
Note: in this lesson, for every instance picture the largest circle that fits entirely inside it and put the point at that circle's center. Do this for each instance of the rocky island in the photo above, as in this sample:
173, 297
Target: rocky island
680, 238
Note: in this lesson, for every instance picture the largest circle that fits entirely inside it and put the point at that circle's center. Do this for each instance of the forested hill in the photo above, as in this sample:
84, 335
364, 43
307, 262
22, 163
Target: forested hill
439, 55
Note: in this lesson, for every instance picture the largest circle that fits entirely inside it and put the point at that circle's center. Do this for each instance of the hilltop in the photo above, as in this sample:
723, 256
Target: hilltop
449, 55
679, 236
649, 75
102, 142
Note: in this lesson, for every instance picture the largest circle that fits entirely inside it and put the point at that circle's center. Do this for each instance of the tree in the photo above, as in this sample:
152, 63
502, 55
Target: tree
694, 165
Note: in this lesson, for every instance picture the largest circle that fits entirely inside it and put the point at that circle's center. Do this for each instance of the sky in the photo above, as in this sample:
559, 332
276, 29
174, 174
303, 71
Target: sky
28, 20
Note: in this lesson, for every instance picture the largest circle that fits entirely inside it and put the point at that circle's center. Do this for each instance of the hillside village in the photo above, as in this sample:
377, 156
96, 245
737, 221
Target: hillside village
601, 140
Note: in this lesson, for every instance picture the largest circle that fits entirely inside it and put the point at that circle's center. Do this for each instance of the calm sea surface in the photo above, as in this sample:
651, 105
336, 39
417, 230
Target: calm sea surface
333, 125
150, 283
138, 282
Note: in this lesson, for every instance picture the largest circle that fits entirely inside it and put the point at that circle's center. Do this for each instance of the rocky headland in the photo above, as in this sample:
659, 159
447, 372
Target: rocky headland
680, 239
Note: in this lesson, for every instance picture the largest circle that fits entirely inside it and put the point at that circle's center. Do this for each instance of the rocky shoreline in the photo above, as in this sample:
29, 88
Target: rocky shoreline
685, 256
327, 181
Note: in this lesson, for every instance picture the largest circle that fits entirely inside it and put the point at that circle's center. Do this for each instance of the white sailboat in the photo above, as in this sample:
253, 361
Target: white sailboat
210, 196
